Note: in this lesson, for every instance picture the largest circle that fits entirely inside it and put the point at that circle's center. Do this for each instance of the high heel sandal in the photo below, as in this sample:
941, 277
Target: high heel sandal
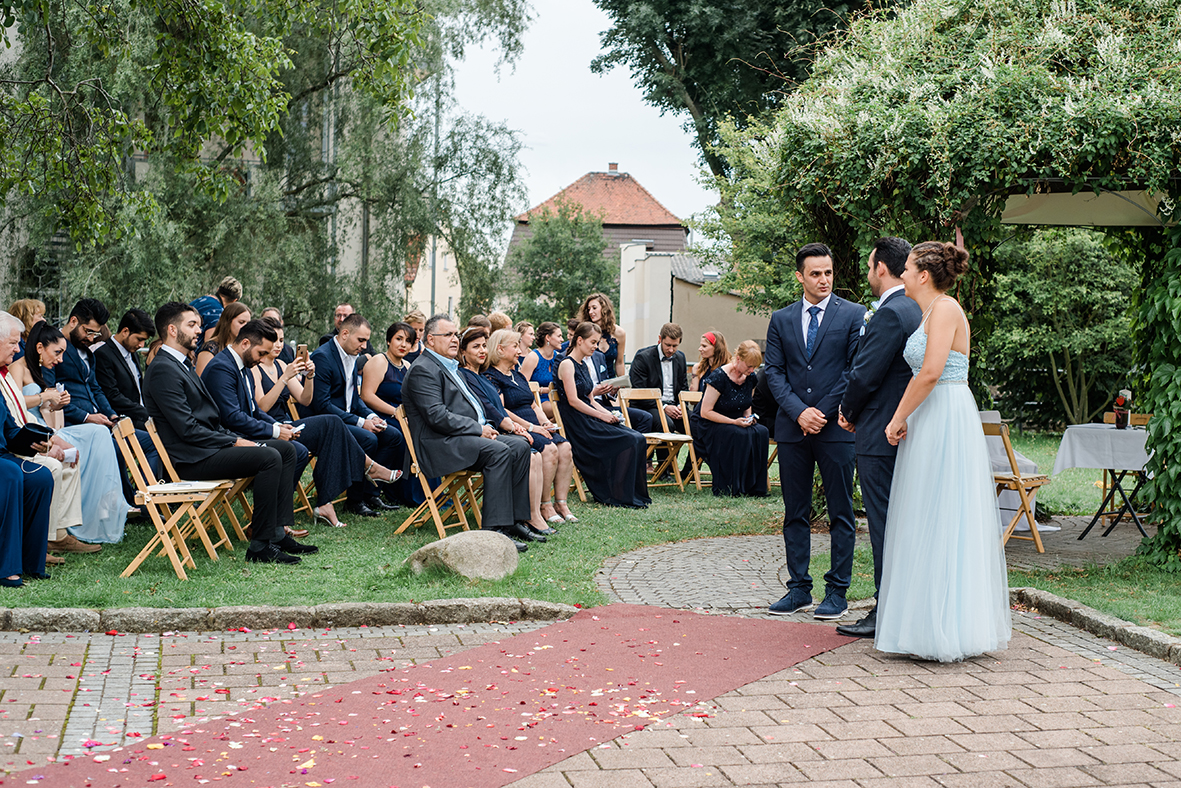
393, 475
569, 517
317, 517
556, 518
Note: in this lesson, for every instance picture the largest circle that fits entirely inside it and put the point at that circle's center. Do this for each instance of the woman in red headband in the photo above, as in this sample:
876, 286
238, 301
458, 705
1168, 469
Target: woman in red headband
713, 354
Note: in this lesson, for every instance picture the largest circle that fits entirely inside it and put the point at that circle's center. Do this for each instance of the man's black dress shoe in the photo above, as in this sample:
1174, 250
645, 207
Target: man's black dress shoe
523, 532
865, 628
362, 510
377, 503
271, 554
289, 545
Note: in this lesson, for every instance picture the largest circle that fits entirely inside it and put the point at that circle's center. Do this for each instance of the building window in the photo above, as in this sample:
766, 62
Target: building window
450, 305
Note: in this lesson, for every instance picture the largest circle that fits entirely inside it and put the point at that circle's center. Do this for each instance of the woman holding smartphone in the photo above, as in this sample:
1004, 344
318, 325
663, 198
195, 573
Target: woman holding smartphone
725, 431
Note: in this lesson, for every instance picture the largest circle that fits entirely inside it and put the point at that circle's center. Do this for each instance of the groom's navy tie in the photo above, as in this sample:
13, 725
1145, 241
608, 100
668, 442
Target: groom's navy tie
813, 327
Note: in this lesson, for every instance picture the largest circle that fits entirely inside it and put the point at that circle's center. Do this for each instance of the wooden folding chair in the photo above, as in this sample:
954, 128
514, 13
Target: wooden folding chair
689, 400
771, 461
577, 477
172, 507
227, 492
1134, 420
1020, 483
665, 439
451, 489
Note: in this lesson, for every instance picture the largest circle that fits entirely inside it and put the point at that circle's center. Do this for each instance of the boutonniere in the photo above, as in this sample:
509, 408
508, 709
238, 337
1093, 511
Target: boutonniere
869, 313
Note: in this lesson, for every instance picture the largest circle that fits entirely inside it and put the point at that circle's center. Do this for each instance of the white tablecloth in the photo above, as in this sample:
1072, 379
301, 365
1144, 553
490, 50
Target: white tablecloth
1102, 446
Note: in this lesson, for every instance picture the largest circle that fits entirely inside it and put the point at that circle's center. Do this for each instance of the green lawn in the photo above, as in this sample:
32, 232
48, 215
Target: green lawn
1071, 492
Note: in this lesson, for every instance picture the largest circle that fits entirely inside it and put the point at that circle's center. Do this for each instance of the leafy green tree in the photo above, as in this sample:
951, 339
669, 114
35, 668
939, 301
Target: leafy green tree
560, 264
712, 60
1063, 304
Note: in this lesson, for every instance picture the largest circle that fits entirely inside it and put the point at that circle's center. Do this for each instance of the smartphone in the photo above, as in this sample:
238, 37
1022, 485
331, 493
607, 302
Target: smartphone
297, 429
301, 353
60, 387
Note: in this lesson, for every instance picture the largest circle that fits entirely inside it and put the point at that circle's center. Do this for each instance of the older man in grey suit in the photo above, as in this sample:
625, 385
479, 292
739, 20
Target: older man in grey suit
450, 432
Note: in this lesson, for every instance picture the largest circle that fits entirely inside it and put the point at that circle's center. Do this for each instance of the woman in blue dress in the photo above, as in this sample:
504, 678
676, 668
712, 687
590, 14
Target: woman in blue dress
473, 359
597, 309
944, 593
517, 396
381, 390
104, 509
734, 443
611, 457
538, 365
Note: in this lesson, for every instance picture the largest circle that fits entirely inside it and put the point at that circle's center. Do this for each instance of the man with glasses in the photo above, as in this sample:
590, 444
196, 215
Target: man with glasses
77, 372
450, 432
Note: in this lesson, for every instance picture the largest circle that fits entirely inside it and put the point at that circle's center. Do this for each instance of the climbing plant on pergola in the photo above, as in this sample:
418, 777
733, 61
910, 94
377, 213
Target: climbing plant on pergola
929, 117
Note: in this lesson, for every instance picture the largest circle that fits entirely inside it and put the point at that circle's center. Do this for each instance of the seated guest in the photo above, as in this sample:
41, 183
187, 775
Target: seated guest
284, 352
229, 290
538, 365
517, 396
473, 357
338, 393
416, 320
117, 366
65, 506
341, 312
233, 317
78, 373
724, 431
662, 366
498, 320
203, 450
26, 489
596, 366
340, 462
451, 433
277, 382
29, 311
571, 326
712, 353
104, 510
528, 334
610, 456
480, 320
598, 309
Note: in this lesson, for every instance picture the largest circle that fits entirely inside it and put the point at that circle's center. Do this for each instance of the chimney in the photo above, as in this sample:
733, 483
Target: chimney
613, 166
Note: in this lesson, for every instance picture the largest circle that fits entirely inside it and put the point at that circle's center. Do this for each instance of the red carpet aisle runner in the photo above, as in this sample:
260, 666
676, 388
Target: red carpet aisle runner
482, 718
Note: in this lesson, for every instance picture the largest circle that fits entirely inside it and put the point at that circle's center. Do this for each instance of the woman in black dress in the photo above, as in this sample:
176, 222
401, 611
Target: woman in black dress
724, 431
610, 456
557, 460
233, 317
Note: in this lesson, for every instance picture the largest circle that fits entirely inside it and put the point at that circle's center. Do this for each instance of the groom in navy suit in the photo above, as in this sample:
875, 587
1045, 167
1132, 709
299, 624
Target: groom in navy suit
876, 384
810, 347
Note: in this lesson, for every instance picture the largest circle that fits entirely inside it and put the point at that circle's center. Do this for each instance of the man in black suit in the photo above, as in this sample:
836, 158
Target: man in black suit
117, 367
339, 315
662, 366
203, 450
810, 347
450, 433
337, 392
876, 384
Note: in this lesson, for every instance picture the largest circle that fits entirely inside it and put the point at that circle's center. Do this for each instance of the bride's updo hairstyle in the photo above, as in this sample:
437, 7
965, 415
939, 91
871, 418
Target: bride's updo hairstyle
944, 262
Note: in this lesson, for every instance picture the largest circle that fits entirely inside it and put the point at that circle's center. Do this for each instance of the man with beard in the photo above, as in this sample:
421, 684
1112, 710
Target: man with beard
203, 450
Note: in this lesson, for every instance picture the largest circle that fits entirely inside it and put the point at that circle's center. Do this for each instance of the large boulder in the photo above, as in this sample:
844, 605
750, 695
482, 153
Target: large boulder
480, 555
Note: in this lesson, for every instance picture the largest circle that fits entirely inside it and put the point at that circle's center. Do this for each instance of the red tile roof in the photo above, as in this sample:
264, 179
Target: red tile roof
616, 195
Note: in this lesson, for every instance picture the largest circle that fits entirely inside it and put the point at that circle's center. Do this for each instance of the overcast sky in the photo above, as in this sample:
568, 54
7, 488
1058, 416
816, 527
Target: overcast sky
572, 121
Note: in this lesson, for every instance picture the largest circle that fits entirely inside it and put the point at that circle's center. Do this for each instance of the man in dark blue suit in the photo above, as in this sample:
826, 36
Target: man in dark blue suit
25, 488
77, 372
876, 384
337, 392
810, 347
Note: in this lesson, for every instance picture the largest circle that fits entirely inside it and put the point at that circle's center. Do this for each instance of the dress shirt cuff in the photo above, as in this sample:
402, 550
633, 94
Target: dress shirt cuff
275, 431
360, 422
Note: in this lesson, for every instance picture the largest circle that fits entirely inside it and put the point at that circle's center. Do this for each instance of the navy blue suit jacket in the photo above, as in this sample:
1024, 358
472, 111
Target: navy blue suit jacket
234, 398
879, 376
799, 383
8, 432
86, 396
328, 389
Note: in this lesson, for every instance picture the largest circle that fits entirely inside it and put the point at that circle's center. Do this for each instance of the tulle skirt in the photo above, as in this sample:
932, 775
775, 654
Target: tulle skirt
944, 593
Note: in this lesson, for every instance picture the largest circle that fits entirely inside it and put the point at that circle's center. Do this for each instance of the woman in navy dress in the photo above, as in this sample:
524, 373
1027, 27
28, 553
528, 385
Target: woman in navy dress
724, 431
473, 358
611, 457
517, 396
381, 390
597, 309
538, 365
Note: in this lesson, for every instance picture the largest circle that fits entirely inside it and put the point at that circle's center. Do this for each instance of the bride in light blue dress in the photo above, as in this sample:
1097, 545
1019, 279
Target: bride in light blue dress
944, 592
